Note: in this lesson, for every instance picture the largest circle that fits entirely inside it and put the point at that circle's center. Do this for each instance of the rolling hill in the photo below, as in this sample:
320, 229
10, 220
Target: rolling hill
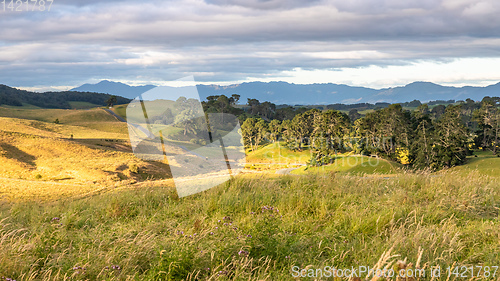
16, 97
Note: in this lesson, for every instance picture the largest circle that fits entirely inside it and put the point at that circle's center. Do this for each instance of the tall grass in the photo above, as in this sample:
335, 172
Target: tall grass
255, 228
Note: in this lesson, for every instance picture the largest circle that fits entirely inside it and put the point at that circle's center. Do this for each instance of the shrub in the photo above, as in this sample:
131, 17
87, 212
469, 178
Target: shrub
133, 168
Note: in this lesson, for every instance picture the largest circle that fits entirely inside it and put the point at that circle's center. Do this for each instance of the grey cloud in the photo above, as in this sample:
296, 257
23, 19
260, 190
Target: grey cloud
226, 40
194, 22
264, 4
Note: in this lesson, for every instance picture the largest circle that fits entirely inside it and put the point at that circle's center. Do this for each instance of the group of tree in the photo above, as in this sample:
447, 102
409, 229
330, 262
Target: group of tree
421, 138
222, 104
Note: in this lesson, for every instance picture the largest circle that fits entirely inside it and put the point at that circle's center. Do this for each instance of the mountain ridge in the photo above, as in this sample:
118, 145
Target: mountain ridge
114, 88
280, 92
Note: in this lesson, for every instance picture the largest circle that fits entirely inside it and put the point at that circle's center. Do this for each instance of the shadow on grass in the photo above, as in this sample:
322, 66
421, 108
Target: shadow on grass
15, 153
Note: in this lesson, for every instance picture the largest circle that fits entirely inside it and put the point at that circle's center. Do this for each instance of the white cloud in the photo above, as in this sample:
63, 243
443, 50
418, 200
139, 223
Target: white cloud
460, 72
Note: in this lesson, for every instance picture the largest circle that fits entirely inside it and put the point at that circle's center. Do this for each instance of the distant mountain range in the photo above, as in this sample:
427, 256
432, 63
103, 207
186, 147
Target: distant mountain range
114, 88
307, 94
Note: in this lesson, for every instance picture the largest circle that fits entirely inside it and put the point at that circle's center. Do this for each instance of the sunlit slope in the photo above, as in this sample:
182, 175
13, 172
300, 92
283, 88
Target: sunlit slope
80, 151
28, 156
277, 153
76, 122
484, 164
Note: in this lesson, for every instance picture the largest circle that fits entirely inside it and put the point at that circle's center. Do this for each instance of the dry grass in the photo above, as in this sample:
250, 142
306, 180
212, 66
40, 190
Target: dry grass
68, 159
412, 220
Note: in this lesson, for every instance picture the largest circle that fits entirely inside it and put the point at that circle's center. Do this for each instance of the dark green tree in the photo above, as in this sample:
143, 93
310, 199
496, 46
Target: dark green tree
112, 100
450, 145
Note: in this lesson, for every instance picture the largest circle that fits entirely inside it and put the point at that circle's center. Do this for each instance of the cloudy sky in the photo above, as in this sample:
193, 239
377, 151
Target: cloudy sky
372, 43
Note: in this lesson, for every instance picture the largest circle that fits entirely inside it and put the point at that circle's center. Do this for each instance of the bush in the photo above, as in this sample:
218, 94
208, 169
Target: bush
133, 168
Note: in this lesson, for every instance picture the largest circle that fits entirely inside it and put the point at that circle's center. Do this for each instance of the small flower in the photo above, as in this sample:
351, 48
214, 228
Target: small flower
243, 253
249, 236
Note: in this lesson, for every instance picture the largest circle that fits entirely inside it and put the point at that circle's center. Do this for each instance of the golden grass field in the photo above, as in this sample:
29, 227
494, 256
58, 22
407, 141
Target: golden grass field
86, 151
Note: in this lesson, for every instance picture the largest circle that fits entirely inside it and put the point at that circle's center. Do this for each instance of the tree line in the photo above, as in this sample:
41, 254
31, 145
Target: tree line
15, 97
435, 138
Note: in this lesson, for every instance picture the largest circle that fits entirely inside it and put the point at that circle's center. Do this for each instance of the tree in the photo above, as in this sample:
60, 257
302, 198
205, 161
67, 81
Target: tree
385, 131
450, 140
354, 115
112, 100
253, 130
266, 110
302, 127
421, 147
275, 130
234, 99
249, 132
438, 110
286, 113
262, 130
488, 119
330, 128
190, 116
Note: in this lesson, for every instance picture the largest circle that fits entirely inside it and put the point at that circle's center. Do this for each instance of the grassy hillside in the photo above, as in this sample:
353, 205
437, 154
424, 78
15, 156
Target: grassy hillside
277, 153
356, 165
255, 229
121, 110
484, 164
65, 116
86, 151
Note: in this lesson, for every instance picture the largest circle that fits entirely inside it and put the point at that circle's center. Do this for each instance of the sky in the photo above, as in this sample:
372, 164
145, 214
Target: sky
370, 43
